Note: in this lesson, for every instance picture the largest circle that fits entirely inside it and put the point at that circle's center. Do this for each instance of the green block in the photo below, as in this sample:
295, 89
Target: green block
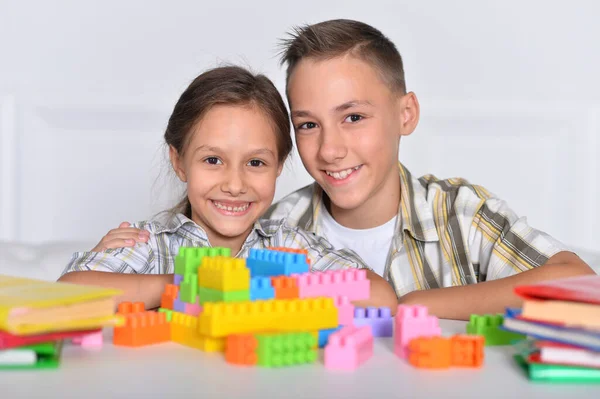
189, 258
286, 349
48, 357
210, 295
188, 288
489, 327
554, 373
168, 312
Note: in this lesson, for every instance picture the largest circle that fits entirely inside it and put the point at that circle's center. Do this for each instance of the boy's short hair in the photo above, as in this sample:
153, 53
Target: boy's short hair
338, 37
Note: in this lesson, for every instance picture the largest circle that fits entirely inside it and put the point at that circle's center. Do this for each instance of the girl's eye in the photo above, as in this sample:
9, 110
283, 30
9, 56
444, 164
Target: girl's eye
212, 161
353, 118
308, 125
256, 163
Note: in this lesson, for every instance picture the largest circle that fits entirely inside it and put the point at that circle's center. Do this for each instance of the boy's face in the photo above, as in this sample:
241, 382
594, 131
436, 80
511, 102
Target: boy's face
230, 166
348, 125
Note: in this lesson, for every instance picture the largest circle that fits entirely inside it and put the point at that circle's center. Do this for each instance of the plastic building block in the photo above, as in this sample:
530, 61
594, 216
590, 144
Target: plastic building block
224, 274
323, 335
291, 250
299, 315
443, 352
268, 263
285, 287
193, 309
92, 340
141, 327
189, 258
178, 306
412, 322
351, 283
177, 279
271, 349
168, 313
489, 327
184, 331
188, 289
208, 295
261, 288
349, 348
8, 340
345, 310
169, 295
380, 320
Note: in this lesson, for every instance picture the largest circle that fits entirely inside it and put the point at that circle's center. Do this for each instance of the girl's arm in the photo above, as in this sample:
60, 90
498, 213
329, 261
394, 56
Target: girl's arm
147, 288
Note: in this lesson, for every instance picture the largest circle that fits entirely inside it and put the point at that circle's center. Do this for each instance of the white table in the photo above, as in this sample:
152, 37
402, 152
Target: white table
171, 371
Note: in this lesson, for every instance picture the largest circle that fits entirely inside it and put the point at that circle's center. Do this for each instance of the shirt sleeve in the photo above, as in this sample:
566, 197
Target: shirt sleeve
321, 253
503, 244
139, 259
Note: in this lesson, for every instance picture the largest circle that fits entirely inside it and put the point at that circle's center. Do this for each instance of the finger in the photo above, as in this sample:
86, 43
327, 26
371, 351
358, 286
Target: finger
132, 230
124, 224
126, 236
118, 243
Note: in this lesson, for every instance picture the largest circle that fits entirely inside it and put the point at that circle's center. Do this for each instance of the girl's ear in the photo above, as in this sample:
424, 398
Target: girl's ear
280, 167
176, 162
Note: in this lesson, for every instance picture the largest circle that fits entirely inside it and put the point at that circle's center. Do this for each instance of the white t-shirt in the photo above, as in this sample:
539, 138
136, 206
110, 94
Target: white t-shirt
372, 245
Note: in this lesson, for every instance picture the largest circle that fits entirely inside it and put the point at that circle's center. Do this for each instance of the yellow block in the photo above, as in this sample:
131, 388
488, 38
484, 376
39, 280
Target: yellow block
307, 314
184, 331
224, 274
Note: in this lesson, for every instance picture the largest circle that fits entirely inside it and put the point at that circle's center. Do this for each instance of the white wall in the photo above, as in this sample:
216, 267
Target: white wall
509, 93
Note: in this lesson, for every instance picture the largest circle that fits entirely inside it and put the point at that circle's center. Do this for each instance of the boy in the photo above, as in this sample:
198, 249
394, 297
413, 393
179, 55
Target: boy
431, 239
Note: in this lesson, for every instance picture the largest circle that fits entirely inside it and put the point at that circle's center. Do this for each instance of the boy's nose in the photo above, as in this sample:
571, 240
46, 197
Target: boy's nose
333, 146
234, 182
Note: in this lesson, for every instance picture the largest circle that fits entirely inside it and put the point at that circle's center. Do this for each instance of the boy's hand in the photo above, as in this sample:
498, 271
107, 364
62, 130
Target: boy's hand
123, 236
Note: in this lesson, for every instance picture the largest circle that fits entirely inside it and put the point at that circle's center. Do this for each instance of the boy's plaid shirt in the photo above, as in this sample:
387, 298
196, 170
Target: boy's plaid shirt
448, 233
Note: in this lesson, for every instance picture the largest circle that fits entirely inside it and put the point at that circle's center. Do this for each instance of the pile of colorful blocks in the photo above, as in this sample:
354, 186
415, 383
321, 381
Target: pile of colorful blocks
270, 310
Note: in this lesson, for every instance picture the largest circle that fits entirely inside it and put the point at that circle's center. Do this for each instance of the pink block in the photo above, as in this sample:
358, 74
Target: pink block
413, 322
351, 283
93, 340
193, 309
345, 311
349, 348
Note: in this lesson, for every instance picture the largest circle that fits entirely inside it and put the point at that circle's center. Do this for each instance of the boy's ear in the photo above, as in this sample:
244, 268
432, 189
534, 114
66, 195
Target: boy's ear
176, 163
409, 113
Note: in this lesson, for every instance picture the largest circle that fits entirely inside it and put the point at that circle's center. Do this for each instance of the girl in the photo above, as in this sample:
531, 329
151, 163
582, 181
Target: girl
228, 138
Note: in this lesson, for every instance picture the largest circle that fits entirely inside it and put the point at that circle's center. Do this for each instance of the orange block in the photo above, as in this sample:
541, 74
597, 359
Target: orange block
140, 327
291, 250
443, 352
241, 350
285, 287
169, 295
430, 352
467, 350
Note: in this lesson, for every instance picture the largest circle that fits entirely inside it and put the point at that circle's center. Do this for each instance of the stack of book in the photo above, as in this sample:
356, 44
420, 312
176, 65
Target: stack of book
563, 319
37, 316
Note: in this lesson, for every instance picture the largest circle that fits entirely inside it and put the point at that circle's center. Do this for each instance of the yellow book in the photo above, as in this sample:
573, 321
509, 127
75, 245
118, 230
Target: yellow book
29, 306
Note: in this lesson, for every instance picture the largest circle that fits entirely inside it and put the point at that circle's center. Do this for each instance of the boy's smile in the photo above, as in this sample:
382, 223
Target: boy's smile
348, 125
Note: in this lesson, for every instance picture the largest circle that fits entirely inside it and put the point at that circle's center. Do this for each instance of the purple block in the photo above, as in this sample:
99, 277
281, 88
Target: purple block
178, 306
177, 279
380, 320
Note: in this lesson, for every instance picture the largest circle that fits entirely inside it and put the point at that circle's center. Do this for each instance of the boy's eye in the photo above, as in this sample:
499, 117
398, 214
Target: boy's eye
353, 118
256, 163
212, 161
307, 125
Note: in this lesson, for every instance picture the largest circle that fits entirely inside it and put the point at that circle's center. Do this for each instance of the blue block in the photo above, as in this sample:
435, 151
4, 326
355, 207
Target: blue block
261, 288
324, 335
267, 263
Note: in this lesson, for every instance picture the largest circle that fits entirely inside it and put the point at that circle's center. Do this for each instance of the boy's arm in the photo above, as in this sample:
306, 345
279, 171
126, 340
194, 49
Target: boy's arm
494, 296
382, 294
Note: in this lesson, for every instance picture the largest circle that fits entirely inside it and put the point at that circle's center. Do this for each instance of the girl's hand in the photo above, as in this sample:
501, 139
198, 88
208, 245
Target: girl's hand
123, 236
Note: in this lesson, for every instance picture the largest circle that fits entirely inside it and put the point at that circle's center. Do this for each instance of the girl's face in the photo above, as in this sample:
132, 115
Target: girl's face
230, 166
